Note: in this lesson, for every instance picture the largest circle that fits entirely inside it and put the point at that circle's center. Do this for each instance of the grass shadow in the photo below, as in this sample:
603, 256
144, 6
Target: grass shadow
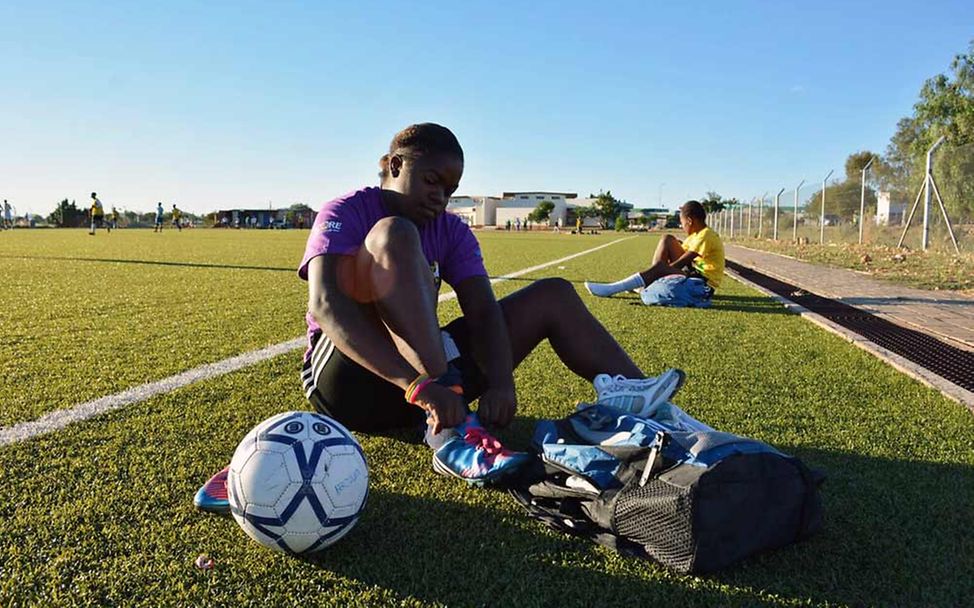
896, 533
444, 552
148, 262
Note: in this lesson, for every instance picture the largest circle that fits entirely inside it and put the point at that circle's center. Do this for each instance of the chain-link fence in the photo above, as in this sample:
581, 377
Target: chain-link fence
874, 211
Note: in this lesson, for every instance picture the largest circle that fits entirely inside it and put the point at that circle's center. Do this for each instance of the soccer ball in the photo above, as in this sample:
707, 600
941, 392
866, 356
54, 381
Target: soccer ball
298, 482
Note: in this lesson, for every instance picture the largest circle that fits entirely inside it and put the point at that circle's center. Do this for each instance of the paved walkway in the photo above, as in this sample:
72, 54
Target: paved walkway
938, 313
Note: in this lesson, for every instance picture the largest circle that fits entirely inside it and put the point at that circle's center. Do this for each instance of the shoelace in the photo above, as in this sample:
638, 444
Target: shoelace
480, 438
620, 383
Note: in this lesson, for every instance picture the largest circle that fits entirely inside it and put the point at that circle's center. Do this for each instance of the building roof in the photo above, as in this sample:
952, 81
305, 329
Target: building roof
565, 194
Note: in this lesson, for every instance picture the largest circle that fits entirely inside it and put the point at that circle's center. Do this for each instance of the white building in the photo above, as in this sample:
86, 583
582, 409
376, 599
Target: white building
517, 205
888, 213
491, 211
513, 206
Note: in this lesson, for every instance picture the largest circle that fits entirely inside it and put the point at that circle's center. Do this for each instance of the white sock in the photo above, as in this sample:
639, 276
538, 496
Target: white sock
604, 290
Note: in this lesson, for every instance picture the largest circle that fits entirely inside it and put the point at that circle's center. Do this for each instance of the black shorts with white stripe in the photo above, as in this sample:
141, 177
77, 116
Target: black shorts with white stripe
341, 388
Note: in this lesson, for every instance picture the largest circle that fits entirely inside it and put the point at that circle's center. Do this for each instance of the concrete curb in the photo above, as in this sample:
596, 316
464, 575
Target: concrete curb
892, 318
945, 387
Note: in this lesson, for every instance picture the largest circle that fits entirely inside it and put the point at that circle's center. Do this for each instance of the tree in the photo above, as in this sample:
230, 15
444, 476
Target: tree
855, 162
843, 198
292, 212
542, 212
67, 215
712, 202
945, 107
621, 223
606, 206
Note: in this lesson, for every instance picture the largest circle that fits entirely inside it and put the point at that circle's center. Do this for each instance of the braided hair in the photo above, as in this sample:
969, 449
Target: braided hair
419, 139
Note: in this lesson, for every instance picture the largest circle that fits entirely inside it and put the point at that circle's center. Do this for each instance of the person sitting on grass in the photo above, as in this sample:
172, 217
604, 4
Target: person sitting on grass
700, 256
377, 359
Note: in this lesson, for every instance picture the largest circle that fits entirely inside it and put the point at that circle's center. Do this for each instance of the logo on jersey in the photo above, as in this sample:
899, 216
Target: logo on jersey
331, 226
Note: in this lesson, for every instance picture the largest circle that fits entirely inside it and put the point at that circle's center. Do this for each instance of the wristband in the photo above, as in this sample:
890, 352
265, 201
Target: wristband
419, 389
447, 380
414, 387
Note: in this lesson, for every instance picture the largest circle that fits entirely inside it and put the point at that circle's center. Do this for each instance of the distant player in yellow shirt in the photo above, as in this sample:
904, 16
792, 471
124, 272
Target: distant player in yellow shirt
176, 215
700, 255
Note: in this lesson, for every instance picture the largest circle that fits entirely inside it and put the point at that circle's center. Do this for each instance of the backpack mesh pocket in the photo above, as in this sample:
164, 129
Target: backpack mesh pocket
658, 516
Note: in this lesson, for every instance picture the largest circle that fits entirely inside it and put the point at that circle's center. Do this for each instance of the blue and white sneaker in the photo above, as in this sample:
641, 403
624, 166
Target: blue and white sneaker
213, 497
476, 456
642, 396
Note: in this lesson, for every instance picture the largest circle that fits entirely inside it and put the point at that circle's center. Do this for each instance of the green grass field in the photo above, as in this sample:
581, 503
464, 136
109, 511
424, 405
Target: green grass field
100, 512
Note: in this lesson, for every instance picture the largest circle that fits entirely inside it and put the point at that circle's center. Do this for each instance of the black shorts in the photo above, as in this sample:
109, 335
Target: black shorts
341, 388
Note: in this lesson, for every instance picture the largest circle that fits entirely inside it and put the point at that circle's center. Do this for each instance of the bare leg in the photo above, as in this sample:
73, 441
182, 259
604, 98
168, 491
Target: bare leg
551, 309
668, 250
391, 272
657, 270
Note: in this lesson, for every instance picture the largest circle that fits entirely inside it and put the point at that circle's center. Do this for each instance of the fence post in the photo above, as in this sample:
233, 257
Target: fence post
794, 230
750, 211
777, 197
821, 222
926, 195
862, 199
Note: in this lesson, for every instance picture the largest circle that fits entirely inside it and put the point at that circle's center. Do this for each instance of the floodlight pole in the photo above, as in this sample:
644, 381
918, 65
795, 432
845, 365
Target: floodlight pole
926, 195
862, 198
794, 230
821, 222
777, 197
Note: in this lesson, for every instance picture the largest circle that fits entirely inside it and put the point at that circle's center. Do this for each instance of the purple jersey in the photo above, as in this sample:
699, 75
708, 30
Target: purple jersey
342, 225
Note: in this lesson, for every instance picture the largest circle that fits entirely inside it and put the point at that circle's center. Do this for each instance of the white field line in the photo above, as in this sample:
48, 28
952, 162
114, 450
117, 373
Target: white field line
59, 419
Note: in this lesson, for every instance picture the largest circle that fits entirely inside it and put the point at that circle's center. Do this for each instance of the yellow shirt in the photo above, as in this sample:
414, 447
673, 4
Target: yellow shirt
176, 213
710, 255
96, 209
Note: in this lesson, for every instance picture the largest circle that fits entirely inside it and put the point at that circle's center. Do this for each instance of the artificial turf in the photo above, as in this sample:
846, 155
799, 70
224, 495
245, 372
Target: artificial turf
100, 513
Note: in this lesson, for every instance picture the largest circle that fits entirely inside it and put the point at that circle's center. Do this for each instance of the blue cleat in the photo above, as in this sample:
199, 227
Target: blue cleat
212, 497
476, 456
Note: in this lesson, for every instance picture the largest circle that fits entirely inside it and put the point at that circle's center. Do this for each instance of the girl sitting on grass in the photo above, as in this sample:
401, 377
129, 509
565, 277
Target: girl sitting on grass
377, 359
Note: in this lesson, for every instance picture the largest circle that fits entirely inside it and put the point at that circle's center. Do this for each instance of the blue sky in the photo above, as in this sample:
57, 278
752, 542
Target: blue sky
226, 104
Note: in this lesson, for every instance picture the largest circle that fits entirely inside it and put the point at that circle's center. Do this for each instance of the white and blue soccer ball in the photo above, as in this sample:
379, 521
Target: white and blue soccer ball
298, 482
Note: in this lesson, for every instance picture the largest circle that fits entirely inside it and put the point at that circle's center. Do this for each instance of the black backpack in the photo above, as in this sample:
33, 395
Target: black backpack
668, 488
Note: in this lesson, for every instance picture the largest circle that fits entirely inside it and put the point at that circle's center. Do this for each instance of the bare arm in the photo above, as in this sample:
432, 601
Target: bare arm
488, 331
491, 347
685, 260
356, 331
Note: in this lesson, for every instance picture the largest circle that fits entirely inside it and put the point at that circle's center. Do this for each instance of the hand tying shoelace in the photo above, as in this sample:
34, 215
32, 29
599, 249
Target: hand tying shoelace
480, 438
